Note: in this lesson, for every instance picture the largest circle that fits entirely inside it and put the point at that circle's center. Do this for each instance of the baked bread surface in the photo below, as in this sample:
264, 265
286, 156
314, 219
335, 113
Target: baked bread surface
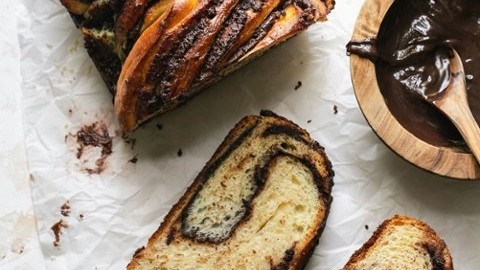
402, 243
261, 202
156, 54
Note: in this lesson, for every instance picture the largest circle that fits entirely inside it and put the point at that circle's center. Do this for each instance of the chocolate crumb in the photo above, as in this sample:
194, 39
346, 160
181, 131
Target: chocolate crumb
159, 127
366, 227
179, 153
298, 85
65, 209
81, 217
57, 231
95, 135
335, 109
133, 160
309, 121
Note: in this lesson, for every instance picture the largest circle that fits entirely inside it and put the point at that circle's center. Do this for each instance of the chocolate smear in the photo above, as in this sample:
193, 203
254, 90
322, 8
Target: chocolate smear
94, 136
57, 231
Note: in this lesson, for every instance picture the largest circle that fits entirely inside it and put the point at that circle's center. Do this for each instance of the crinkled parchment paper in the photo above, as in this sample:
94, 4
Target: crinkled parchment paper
19, 248
107, 216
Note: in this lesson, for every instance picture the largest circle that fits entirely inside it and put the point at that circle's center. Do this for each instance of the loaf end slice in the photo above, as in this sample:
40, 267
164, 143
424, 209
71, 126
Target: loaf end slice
171, 62
156, 54
402, 243
261, 202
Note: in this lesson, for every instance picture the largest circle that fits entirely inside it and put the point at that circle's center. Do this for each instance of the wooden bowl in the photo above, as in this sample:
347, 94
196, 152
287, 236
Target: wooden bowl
445, 161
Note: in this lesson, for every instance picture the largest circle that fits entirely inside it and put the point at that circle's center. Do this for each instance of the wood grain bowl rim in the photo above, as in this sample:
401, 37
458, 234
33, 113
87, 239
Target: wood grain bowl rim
442, 161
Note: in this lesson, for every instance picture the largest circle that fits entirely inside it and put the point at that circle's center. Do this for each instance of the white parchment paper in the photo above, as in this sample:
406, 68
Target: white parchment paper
19, 246
113, 213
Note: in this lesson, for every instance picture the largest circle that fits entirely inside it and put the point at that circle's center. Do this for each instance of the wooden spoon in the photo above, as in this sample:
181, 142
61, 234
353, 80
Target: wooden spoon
453, 103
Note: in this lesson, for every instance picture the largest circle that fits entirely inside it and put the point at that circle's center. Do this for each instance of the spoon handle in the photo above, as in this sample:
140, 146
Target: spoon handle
459, 112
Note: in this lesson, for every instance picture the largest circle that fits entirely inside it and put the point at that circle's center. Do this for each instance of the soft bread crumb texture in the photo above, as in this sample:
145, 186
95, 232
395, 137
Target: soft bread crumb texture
401, 243
281, 215
284, 216
399, 249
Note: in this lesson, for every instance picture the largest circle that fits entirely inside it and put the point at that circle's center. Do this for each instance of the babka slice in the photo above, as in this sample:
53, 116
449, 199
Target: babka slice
402, 243
155, 54
261, 202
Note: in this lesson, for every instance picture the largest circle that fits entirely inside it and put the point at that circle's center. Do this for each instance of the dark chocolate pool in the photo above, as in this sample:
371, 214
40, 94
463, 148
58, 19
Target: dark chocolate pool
409, 56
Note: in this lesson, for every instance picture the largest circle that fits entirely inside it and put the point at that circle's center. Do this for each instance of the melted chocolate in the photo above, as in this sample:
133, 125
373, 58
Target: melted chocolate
411, 55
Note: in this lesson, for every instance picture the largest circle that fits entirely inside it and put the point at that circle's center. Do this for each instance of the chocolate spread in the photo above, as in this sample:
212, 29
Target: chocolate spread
411, 54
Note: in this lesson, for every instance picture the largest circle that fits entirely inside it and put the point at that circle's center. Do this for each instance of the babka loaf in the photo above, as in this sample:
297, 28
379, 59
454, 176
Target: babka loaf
261, 202
402, 243
155, 54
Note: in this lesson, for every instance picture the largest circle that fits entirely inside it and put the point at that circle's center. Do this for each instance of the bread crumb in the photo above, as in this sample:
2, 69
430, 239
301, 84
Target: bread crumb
298, 85
133, 160
65, 209
94, 136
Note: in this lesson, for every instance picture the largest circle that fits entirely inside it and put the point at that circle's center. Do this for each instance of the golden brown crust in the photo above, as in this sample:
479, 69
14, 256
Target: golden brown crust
169, 219
431, 243
129, 16
133, 91
76, 7
298, 255
171, 49
161, 93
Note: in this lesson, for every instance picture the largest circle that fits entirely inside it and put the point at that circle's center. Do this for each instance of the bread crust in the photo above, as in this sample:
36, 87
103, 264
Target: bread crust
294, 258
169, 50
436, 248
